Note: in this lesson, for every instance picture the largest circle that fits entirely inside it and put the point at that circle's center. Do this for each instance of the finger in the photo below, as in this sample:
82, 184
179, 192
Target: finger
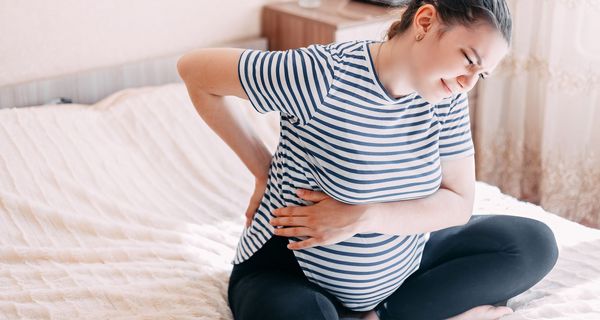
250, 213
252, 206
289, 211
311, 195
289, 221
250, 216
310, 242
293, 232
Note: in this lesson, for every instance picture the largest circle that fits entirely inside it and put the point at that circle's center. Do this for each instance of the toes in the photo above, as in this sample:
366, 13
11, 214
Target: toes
501, 311
484, 312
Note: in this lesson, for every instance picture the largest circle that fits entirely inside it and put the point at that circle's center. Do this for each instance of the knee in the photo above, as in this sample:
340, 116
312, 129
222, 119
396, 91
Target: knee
535, 243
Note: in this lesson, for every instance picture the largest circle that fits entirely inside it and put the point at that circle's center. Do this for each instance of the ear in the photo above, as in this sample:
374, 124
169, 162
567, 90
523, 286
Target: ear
425, 18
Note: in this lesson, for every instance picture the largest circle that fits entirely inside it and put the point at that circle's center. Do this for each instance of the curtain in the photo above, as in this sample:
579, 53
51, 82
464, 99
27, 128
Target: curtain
537, 119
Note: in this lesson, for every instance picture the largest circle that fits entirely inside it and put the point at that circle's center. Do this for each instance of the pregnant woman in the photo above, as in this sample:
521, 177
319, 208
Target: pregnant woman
365, 209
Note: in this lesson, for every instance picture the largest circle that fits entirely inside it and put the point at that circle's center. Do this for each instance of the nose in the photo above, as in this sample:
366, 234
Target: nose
467, 81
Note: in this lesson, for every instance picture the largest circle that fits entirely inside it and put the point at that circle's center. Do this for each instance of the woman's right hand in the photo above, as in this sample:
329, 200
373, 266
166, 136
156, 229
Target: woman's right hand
260, 185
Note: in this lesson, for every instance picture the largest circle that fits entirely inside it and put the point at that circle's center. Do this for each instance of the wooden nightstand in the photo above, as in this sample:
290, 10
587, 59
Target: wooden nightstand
286, 25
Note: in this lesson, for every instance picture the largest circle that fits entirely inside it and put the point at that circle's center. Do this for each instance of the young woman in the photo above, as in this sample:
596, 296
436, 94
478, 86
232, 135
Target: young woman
377, 136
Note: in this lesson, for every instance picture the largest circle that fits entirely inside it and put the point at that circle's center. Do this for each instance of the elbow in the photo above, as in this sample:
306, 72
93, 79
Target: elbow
466, 218
181, 67
189, 68
186, 68
461, 206
466, 211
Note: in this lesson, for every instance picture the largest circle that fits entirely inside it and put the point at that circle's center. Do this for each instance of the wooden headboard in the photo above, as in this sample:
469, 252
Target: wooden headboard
88, 87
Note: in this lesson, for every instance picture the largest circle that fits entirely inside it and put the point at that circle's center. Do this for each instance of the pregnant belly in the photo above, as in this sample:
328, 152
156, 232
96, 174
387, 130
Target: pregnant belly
363, 270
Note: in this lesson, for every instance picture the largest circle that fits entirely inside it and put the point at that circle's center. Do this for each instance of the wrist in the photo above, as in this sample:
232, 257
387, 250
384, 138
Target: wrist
367, 218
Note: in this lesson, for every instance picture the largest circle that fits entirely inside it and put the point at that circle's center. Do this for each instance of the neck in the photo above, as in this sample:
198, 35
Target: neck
392, 65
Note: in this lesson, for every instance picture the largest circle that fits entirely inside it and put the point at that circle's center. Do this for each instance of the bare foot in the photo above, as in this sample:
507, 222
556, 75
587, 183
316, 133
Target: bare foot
485, 312
370, 315
366, 315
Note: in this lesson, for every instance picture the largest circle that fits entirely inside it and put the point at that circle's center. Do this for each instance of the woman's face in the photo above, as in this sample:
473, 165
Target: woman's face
453, 63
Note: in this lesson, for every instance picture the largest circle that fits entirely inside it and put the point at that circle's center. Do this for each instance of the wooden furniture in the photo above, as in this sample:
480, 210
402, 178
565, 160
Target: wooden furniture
286, 25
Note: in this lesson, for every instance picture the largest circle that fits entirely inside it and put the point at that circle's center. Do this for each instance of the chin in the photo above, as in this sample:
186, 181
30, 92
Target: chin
434, 95
434, 98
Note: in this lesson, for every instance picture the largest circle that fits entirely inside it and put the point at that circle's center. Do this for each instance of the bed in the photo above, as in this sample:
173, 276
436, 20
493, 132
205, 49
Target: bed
131, 208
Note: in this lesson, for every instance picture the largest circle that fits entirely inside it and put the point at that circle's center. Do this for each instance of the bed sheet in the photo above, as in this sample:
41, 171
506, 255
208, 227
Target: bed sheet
131, 208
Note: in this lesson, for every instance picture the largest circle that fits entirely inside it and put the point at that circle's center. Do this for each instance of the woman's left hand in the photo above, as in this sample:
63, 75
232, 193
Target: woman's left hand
325, 222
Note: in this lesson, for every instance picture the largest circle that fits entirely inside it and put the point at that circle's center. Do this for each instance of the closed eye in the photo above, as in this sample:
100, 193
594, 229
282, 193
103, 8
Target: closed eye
481, 76
467, 57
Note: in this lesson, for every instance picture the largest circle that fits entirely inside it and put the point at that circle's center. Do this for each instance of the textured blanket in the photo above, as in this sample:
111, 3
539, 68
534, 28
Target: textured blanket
131, 209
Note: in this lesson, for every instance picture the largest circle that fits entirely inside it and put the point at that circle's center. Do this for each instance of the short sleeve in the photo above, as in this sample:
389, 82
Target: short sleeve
293, 82
455, 136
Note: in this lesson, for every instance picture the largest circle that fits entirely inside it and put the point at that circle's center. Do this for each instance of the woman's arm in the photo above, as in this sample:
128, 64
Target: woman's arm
329, 221
211, 74
451, 205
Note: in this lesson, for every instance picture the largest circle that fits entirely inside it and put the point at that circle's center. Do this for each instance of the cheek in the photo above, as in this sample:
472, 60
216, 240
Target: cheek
442, 67
438, 63
430, 66
423, 68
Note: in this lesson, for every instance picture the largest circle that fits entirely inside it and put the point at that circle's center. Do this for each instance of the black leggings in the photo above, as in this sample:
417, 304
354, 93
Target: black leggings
489, 260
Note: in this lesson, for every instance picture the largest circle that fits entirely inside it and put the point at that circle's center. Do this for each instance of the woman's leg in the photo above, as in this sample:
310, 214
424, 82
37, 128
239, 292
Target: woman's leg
489, 260
271, 285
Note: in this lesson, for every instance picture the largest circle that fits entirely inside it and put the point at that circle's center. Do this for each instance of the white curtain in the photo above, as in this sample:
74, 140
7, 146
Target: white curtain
537, 120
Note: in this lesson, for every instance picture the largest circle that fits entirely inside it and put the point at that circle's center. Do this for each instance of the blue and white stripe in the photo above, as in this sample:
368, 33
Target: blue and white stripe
343, 134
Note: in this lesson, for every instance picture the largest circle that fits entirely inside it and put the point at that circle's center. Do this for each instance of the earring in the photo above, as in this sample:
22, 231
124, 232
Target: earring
419, 37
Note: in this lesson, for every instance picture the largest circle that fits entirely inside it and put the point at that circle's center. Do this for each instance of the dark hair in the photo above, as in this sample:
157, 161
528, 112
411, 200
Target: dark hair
459, 12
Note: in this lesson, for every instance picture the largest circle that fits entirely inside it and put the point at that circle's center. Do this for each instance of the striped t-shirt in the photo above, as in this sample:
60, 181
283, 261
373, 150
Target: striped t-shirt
343, 134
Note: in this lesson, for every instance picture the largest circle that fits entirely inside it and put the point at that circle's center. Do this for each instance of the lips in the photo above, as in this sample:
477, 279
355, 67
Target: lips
446, 86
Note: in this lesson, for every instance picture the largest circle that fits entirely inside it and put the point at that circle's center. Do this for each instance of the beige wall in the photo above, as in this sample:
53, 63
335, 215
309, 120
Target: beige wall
48, 38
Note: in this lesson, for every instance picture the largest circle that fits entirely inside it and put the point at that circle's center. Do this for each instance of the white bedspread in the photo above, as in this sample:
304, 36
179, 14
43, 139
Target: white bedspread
132, 207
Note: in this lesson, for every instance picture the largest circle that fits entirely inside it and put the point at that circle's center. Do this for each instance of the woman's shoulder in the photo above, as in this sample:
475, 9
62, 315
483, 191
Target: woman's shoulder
340, 48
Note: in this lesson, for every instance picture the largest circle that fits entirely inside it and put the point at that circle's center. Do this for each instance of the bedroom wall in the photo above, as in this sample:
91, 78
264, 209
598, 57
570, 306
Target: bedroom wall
41, 39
